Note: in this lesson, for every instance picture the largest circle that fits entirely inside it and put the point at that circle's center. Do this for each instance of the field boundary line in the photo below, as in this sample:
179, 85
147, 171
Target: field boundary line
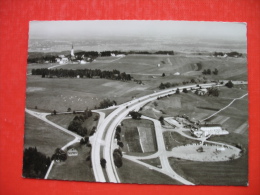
224, 107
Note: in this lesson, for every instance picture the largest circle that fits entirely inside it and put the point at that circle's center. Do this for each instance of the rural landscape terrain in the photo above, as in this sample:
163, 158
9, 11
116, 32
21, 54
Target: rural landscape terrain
136, 116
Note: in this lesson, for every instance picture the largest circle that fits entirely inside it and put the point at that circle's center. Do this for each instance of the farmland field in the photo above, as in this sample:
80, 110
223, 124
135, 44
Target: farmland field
173, 139
148, 64
136, 141
140, 174
65, 119
132, 140
154, 162
61, 119
43, 136
77, 94
200, 107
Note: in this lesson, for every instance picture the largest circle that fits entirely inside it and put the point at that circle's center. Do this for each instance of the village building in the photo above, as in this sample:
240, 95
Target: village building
64, 60
208, 129
72, 152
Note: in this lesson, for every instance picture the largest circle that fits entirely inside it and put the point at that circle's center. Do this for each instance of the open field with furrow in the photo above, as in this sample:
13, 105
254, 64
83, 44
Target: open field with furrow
43, 136
132, 139
77, 94
148, 144
138, 136
212, 173
61, 119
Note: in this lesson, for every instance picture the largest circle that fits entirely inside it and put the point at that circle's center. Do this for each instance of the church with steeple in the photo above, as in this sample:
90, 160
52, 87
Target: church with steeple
72, 53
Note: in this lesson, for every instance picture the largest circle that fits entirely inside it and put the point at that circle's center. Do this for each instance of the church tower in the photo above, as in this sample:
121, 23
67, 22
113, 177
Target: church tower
72, 51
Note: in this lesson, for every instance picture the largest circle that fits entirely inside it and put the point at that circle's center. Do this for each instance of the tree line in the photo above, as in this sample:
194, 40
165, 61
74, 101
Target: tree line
89, 54
208, 72
230, 54
106, 103
76, 125
82, 73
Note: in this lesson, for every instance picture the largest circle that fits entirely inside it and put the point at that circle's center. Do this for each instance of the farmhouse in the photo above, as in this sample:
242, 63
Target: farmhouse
63, 60
72, 152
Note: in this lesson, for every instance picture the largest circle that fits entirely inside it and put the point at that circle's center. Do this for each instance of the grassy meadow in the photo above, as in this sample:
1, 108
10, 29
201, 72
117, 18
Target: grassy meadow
43, 136
132, 172
200, 107
75, 168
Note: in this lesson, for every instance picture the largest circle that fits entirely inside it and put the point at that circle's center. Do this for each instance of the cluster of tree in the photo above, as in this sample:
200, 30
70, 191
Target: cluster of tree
35, 164
85, 54
93, 131
229, 84
118, 136
160, 97
84, 140
116, 52
165, 52
106, 103
42, 59
161, 119
140, 82
168, 84
82, 73
150, 53
208, 71
214, 91
103, 163
59, 154
135, 115
230, 54
184, 90
76, 125
108, 53
242, 149
117, 154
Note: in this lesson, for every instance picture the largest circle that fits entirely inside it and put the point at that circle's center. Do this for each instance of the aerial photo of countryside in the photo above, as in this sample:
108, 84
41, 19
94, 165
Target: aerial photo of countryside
145, 102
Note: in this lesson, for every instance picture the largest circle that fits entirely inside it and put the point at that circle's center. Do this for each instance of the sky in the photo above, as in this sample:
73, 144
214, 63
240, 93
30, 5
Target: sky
156, 30
86, 29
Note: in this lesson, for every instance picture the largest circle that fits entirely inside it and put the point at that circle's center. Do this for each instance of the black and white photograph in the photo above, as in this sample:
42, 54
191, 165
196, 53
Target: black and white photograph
137, 101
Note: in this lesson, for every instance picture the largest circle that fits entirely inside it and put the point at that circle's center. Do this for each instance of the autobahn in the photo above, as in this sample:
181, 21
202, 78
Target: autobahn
104, 137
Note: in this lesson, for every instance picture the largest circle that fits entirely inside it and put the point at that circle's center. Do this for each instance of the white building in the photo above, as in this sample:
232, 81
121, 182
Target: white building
64, 60
213, 130
120, 55
72, 152
83, 62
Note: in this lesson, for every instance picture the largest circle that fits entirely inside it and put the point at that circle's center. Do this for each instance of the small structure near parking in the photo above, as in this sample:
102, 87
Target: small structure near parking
72, 152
